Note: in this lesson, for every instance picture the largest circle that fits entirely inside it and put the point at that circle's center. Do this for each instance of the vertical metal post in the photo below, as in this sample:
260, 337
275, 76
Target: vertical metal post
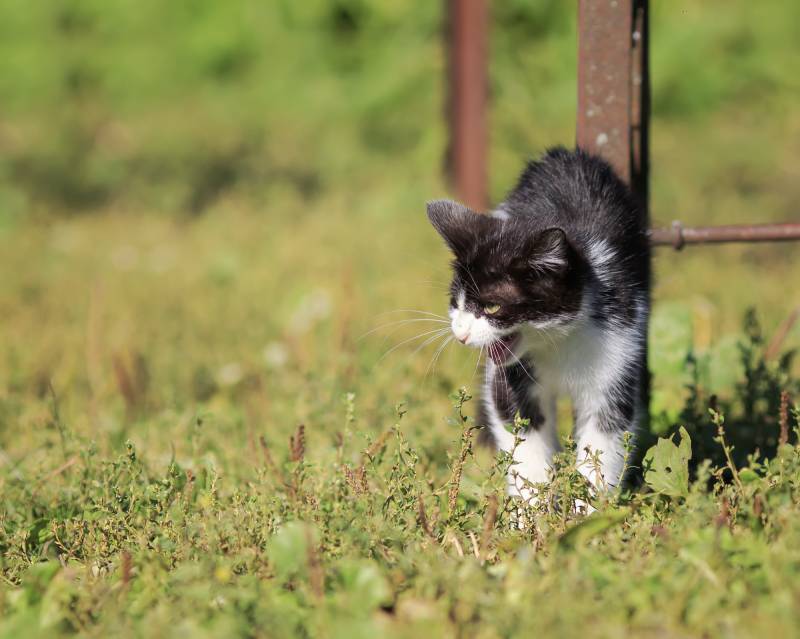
468, 62
614, 94
613, 86
640, 105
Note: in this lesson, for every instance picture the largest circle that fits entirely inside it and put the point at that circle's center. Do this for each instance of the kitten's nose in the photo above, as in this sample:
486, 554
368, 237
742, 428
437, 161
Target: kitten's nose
462, 323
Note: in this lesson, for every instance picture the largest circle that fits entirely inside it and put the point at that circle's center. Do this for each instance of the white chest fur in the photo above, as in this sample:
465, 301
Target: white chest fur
591, 364
585, 362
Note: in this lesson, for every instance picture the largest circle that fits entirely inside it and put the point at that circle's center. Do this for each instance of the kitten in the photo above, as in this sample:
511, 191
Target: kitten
554, 286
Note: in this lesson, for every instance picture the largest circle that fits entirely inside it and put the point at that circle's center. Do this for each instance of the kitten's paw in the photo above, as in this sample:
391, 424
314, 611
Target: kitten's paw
530, 502
584, 507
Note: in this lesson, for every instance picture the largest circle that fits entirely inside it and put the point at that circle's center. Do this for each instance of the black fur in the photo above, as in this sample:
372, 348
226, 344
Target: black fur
536, 266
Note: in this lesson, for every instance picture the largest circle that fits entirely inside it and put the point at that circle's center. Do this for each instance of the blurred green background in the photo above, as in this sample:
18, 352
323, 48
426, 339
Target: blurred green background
176, 106
217, 199
212, 215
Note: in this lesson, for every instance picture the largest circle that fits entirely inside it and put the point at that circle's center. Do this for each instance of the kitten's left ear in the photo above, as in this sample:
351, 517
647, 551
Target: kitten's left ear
458, 225
549, 251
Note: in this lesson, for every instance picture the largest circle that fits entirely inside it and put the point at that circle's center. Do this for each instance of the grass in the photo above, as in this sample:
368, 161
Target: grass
204, 213
362, 534
155, 373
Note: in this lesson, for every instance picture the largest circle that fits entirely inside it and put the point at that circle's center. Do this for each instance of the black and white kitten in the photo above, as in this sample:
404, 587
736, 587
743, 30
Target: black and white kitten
553, 285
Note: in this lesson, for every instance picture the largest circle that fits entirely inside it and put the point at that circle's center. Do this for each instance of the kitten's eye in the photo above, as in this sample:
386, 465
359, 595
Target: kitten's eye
491, 309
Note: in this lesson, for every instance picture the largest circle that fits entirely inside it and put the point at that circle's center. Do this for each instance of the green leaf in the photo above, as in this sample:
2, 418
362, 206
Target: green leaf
288, 549
667, 465
590, 527
37, 578
748, 475
365, 582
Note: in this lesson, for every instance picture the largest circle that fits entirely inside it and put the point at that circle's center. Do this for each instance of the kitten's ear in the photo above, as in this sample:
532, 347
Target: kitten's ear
549, 251
458, 225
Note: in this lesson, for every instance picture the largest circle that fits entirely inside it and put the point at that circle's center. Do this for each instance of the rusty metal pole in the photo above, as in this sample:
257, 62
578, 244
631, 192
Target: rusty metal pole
613, 86
468, 88
640, 105
614, 98
614, 114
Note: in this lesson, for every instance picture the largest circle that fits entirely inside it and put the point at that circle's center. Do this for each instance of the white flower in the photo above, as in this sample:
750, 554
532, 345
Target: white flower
312, 308
275, 355
230, 374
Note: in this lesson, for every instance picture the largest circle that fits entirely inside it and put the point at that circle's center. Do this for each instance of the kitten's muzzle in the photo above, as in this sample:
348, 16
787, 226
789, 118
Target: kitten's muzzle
461, 325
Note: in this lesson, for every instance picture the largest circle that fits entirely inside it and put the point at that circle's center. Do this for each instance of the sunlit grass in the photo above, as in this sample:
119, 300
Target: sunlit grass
210, 221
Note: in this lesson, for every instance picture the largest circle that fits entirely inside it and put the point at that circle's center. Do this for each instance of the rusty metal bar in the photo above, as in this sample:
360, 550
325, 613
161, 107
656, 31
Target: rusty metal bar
678, 235
468, 75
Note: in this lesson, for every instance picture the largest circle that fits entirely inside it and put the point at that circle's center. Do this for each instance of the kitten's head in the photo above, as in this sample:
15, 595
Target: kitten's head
506, 276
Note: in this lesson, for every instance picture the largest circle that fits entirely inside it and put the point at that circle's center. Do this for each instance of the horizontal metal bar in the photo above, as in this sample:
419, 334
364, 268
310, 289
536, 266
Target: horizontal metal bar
678, 235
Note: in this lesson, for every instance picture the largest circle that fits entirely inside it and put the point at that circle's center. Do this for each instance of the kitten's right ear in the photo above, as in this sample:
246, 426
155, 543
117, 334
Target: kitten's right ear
549, 251
457, 224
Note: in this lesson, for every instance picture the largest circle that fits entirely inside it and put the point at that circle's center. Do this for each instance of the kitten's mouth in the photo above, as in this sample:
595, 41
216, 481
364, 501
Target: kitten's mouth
502, 350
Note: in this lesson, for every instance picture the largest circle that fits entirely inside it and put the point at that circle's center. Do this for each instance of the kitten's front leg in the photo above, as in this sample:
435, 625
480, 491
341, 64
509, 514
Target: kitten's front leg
514, 390
533, 457
602, 420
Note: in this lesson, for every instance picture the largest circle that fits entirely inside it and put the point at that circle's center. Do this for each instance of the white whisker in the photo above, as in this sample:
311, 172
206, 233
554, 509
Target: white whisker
507, 384
413, 310
411, 339
435, 357
519, 361
477, 363
475, 288
401, 323
426, 342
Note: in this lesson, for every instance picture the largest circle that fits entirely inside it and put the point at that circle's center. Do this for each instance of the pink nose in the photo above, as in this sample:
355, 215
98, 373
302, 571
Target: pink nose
464, 339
